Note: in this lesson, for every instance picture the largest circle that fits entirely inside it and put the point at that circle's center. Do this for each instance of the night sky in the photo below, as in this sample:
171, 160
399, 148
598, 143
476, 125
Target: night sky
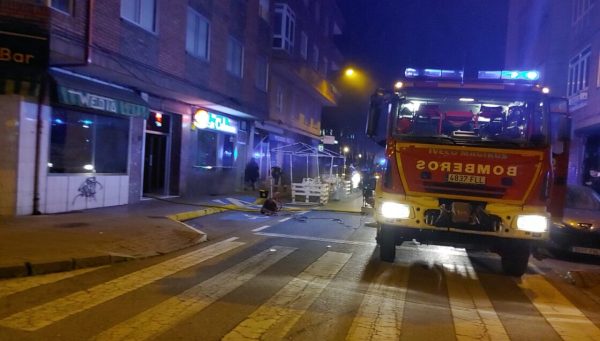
383, 37
386, 36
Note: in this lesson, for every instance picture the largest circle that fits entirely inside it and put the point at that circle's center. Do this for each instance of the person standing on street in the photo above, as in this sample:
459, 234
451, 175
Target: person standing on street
251, 173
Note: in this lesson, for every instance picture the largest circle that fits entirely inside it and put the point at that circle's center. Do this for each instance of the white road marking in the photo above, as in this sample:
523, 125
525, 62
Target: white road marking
54, 311
303, 212
338, 241
284, 219
163, 316
568, 321
261, 228
444, 250
472, 311
242, 203
536, 268
219, 201
274, 319
15, 285
381, 311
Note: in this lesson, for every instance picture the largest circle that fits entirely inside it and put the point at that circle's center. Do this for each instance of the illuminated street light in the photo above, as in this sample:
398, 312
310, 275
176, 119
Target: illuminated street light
546, 90
349, 72
359, 156
346, 149
398, 85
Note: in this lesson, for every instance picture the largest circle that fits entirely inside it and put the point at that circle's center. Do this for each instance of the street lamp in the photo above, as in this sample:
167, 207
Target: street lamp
349, 72
346, 149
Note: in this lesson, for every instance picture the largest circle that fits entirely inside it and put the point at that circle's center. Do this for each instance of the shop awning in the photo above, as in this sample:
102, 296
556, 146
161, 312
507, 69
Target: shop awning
88, 93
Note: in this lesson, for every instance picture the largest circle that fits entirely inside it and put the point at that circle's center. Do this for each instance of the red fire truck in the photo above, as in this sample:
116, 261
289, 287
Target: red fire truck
480, 163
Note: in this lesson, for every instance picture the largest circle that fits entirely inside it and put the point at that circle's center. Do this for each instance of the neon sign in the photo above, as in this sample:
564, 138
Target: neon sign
207, 120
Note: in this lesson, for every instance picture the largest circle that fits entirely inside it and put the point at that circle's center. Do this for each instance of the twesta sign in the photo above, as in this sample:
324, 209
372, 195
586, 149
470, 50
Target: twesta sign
80, 98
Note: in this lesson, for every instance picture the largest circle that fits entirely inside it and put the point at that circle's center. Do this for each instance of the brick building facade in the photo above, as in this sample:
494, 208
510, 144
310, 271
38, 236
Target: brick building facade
151, 98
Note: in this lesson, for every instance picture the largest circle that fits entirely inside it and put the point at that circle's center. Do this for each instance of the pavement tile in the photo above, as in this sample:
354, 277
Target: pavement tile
60, 242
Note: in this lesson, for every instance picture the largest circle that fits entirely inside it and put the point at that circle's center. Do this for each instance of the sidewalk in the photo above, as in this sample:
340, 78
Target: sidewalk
32, 245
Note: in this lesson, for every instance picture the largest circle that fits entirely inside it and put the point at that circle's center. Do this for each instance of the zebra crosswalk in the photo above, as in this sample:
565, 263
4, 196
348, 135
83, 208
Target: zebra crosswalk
329, 293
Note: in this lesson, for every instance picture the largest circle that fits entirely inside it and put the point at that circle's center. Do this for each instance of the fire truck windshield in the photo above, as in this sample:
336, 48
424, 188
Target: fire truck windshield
466, 118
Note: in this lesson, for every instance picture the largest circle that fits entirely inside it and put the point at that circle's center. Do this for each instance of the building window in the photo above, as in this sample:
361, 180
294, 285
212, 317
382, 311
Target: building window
304, 45
580, 9
285, 26
598, 73
279, 99
579, 68
61, 5
198, 35
235, 57
315, 57
263, 9
88, 143
262, 73
139, 12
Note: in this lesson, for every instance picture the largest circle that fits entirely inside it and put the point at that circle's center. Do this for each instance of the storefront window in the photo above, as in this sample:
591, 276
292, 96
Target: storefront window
228, 150
88, 143
207, 149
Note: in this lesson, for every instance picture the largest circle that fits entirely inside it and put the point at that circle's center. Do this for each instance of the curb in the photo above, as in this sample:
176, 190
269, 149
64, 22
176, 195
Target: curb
40, 268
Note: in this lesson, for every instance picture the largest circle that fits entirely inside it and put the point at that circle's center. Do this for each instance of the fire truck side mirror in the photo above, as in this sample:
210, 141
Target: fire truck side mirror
564, 130
374, 114
559, 108
558, 105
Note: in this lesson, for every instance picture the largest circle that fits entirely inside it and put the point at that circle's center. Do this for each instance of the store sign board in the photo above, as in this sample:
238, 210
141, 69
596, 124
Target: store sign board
207, 120
88, 100
22, 51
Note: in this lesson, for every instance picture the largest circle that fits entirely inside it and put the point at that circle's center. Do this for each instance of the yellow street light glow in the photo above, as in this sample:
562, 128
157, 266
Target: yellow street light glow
398, 85
350, 72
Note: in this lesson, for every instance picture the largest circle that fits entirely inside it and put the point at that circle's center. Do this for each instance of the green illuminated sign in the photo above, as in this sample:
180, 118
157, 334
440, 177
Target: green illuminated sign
88, 100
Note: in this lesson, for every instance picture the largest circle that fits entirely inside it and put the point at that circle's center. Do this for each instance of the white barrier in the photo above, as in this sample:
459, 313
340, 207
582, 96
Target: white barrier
312, 191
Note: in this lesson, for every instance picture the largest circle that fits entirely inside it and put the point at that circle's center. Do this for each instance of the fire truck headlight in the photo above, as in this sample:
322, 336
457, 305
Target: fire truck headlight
394, 210
532, 223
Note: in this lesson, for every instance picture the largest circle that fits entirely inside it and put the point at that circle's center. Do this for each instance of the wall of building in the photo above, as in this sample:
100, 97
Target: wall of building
9, 139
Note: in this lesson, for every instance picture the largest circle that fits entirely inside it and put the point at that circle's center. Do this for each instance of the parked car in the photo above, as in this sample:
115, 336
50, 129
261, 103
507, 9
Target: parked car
579, 230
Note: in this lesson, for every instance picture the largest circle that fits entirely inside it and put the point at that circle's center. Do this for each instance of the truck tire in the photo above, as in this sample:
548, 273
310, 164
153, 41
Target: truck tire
387, 243
515, 258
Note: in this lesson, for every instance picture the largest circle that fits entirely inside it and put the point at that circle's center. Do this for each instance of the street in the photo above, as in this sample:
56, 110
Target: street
303, 276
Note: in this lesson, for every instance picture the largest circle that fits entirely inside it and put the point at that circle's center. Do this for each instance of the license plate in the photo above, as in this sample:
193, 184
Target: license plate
466, 179
586, 250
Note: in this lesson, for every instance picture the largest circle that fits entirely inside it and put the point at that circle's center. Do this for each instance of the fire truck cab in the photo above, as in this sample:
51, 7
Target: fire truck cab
481, 163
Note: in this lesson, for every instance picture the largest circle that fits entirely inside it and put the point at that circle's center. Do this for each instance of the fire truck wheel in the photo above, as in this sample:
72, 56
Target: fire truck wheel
387, 243
515, 259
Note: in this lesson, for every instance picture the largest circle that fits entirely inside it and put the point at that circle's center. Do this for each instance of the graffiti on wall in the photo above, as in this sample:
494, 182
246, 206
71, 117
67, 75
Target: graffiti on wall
88, 189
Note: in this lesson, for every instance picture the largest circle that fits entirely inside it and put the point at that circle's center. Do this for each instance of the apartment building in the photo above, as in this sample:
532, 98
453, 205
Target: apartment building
105, 102
304, 56
562, 40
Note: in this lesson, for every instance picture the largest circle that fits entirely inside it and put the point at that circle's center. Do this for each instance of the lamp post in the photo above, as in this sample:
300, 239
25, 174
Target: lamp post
345, 150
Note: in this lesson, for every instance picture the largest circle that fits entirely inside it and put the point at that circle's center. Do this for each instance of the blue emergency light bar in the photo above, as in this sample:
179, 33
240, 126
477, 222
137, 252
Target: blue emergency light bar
529, 75
520, 75
433, 73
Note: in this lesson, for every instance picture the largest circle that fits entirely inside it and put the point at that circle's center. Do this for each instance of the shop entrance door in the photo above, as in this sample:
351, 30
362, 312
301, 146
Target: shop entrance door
155, 164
